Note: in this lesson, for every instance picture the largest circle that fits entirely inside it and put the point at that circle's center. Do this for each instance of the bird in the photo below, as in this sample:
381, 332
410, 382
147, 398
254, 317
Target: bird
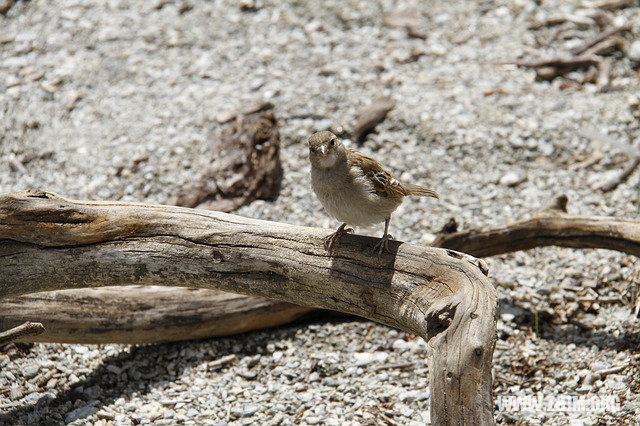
354, 188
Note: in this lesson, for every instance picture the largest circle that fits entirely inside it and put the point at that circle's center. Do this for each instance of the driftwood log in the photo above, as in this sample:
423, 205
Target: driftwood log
49, 243
246, 164
96, 315
142, 314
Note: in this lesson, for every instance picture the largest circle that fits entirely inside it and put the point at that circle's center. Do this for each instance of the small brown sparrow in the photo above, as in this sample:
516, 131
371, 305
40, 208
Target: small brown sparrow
355, 188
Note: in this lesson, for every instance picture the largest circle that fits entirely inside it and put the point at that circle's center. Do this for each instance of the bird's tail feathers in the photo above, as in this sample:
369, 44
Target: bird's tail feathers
419, 191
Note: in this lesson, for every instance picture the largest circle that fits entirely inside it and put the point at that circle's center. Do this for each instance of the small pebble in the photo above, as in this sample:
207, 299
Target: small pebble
512, 179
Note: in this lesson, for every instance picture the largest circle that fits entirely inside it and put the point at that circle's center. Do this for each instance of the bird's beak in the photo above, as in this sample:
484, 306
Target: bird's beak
323, 150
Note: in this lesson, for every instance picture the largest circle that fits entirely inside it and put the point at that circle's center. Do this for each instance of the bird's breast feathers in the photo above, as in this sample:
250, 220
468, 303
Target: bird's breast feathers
352, 197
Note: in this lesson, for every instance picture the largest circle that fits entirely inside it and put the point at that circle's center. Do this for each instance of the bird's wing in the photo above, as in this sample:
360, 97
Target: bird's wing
384, 183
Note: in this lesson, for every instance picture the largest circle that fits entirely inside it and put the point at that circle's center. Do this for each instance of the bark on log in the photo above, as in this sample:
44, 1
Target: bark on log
143, 314
50, 243
13, 334
550, 227
95, 316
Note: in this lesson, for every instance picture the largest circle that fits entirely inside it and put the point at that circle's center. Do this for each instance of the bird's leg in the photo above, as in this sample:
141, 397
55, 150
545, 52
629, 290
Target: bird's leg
330, 241
383, 245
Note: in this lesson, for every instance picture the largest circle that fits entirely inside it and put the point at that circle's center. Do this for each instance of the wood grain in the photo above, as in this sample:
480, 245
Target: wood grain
143, 314
550, 227
50, 243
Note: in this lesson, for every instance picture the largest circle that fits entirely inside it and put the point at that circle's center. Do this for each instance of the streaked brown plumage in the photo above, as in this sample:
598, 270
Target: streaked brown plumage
354, 188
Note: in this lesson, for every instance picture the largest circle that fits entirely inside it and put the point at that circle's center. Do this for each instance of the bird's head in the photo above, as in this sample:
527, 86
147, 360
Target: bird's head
325, 149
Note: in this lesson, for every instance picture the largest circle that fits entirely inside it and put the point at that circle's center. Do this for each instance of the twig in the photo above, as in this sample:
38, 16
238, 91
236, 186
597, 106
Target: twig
375, 410
600, 374
605, 47
612, 5
583, 56
549, 69
626, 172
303, 116
27, 329
604, 75
594, 159
600, 37
218, 363
548, 228
366, 337
552, 37
398, 365
371, 115
568, 62
226, 117
16, 165
580, 21
414, 33
171, 402
42, 382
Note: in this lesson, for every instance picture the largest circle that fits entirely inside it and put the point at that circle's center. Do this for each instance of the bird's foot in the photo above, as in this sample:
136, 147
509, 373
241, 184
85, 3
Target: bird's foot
330, 241
383, 245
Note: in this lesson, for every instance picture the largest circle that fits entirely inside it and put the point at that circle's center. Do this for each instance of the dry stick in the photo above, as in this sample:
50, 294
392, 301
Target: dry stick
604, 71
626, 172
605, 47
28, 328
571, 61
50, 243
550, 227
559, 20
612, 5
600, 37
548, 69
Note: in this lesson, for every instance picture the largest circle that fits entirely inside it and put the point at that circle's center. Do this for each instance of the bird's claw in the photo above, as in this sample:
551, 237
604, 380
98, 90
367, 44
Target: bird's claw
330, 241
383, 245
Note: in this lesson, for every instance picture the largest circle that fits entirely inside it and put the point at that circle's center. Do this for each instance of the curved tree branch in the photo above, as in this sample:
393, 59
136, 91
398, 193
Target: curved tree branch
550, 227
50, 243
81, 316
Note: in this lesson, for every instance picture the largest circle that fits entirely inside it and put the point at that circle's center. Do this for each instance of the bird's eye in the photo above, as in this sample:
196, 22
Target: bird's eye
332, 142
312, 149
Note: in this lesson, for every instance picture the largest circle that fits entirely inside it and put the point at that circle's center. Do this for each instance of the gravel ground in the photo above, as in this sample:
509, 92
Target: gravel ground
115, 100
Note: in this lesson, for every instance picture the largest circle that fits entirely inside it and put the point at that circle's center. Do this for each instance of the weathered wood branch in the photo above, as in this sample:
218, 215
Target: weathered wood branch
50, 243
95, 316
628, 170
26, 329
550, 227
142, 314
